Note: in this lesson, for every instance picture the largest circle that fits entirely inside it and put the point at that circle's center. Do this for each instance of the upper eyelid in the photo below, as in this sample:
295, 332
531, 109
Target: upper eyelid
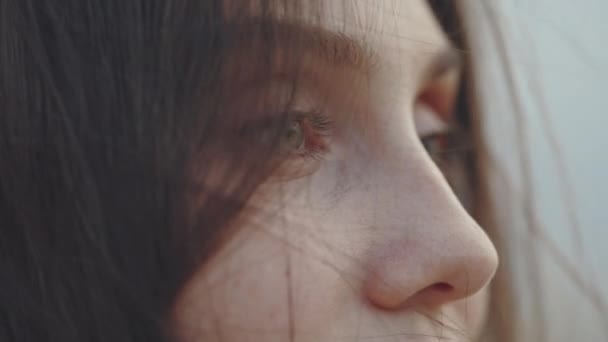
446, 60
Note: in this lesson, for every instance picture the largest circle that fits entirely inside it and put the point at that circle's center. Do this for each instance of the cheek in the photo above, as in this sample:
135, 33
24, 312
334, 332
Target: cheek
239, 292
260, 284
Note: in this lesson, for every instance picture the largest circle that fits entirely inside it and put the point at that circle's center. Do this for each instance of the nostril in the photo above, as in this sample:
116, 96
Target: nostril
442, 287
402, 274
431, 295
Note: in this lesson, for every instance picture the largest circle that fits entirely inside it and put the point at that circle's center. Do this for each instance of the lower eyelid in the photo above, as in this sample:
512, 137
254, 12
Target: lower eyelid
295, 168
316, 141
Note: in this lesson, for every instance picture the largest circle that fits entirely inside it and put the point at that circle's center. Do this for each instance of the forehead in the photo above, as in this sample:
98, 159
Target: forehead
403, 33
402, 24
396, 24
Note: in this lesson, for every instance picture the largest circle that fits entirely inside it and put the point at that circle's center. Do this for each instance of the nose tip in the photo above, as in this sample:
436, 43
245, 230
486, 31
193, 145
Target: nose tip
412, 273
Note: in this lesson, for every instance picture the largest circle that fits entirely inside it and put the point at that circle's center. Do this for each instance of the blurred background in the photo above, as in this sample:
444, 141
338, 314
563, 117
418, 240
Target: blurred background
546, 127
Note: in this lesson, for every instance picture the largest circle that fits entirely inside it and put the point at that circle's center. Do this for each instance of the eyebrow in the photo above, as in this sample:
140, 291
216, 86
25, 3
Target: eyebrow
334, 48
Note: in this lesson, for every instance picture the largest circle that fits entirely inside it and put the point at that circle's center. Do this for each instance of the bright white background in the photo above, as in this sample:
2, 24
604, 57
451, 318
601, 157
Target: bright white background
550, 156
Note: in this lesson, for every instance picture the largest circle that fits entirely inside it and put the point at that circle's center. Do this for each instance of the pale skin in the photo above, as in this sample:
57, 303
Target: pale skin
367, 242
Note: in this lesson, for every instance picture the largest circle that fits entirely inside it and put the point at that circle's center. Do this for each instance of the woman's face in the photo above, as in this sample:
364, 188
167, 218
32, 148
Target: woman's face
357, 236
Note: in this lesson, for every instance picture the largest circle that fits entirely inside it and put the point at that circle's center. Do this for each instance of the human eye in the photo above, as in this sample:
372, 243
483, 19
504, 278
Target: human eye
304, 135
438, 136
298, 140
450, 148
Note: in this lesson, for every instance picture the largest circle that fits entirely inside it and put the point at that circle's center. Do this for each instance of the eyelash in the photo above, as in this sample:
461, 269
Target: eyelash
316, 128
435, 144
441, 146
451, 151
313, 128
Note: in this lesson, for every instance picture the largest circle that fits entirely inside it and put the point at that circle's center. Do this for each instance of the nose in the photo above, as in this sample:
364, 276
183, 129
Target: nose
438, 255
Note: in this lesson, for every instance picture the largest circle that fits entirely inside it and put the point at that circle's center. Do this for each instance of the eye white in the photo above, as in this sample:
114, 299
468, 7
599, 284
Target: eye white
427, 121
